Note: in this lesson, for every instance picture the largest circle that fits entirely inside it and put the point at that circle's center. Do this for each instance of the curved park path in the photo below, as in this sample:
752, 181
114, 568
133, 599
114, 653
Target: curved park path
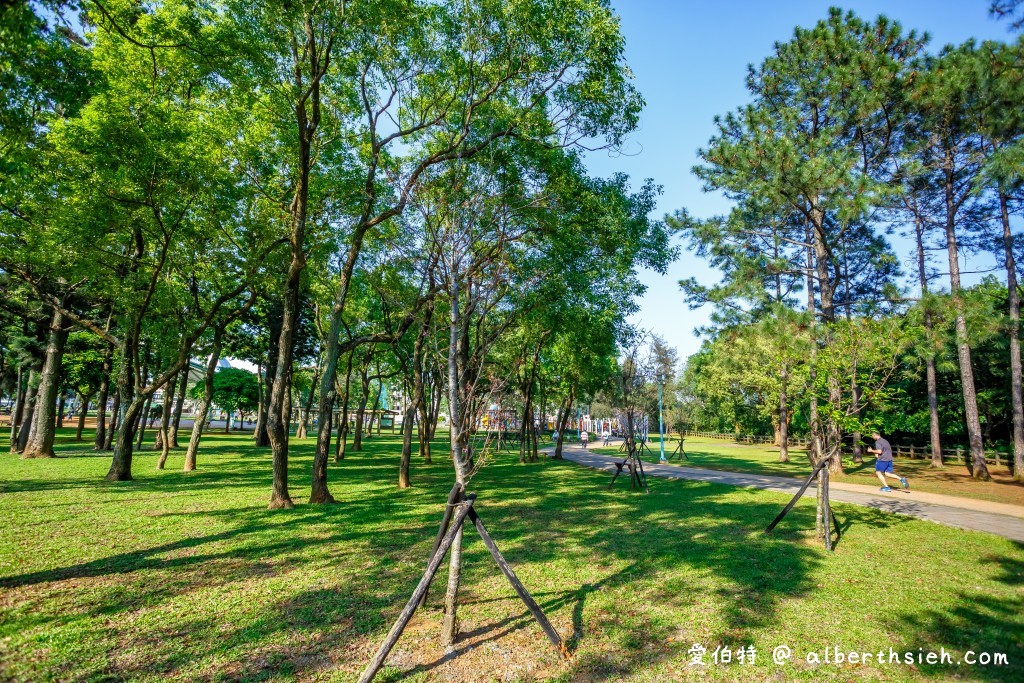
978, 515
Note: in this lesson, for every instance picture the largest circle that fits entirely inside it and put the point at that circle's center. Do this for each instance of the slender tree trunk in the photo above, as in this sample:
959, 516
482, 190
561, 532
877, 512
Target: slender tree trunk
101, 402
43, 431
978, 468
143, 419
855, 394
28, 415
420, 389
339, 453
1016, 387
202, 415
364, 399
18, 414
179, 404
115, 419
163, 437
83, 402
450, 623
564, 423
932, 383
131, 404
783, 417
61, 408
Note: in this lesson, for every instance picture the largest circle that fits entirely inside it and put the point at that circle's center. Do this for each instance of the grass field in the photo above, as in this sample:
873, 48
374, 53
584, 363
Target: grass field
952, 480
183, 577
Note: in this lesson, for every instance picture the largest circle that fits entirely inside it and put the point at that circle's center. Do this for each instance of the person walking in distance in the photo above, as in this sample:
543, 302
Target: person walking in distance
883, 463
583, 438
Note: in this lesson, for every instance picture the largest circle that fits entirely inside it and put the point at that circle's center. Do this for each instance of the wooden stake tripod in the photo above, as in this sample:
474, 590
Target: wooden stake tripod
828, 517
637, 477
679, 452
459, 507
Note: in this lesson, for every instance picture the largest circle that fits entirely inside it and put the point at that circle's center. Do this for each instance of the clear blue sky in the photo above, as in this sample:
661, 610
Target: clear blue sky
690, 58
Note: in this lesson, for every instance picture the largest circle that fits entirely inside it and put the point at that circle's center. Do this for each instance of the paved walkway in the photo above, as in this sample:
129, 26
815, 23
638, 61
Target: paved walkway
978, 515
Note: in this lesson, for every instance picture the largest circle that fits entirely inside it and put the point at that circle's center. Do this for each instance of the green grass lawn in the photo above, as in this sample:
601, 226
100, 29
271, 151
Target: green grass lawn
188, 577
953, 479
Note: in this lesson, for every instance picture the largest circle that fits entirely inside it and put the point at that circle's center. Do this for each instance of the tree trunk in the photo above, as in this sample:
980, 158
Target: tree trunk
43, 431
163, 437
419, 389
855, 393
450, 624
18, 414
30, 406
339, 453
121, 464
144, 418
364, 399
61, 407
202, 415
83, 403
1016, 387
101, 403
783, 417
179, 405
977, 466
115, 419
564, 423
932, 383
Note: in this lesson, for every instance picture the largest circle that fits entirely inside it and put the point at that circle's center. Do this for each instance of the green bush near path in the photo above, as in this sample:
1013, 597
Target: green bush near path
188, 577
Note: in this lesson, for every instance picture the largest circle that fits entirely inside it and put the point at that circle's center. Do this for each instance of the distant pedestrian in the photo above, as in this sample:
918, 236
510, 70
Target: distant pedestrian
606, 436
583, 437
883, 463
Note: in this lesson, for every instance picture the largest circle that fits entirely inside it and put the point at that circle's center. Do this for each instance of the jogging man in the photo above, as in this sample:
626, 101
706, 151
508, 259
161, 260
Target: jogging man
883, 463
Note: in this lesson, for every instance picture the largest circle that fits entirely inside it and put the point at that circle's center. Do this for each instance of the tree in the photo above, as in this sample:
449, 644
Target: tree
815, 142
235, 391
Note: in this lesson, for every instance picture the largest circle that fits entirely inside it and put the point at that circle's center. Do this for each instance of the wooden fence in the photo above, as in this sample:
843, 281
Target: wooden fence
992, 457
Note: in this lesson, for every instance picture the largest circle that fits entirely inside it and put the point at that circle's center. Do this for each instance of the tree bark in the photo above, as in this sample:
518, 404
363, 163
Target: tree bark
115, 418
131, 404
18, 414
30, 406
339, 453
364, 399
83, 403
783, 416
61, 406
450, 623
101, 402
163, 437
1013, 296
930, 375
179, 404
977, 465
203, 413
414, 402
43, 431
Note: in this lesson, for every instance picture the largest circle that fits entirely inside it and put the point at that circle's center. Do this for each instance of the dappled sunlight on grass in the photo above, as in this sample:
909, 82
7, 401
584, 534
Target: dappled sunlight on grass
188, 576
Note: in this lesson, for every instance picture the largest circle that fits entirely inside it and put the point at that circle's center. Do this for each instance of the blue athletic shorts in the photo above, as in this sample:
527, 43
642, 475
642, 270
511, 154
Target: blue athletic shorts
883, 466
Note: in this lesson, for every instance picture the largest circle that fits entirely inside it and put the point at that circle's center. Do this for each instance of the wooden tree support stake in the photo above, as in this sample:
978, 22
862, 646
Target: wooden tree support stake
453, 497
450, 525
829, 516
637, 476
403, 619
679, 452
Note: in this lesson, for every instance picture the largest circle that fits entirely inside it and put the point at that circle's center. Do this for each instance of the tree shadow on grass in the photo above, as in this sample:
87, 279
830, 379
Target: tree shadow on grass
977, 622
686, 546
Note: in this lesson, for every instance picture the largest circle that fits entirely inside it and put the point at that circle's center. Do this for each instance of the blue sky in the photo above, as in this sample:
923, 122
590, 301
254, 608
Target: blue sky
690, 58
